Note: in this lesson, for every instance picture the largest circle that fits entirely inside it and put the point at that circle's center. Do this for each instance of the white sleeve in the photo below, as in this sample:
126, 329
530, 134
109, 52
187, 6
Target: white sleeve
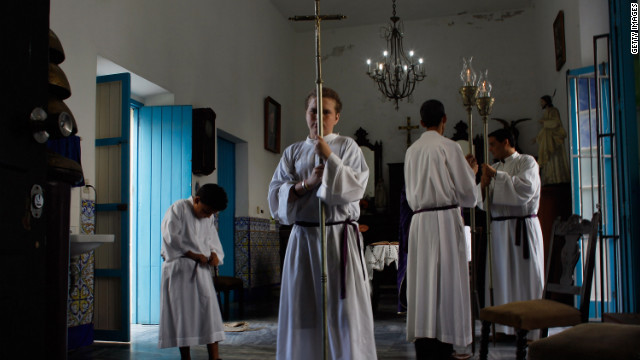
283, 208
344, 179
517, 189
214, 243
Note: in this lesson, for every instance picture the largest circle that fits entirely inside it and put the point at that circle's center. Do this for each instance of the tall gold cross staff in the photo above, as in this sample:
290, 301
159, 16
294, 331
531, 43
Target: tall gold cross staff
409, 127
318, 18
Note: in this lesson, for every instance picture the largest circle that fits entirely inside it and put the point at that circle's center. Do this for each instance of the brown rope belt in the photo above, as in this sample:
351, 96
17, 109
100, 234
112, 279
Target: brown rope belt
344, 248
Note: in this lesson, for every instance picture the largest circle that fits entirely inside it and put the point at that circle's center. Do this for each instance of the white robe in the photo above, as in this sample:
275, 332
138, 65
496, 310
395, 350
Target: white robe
350, 320
189, 310
438, 299
515, 191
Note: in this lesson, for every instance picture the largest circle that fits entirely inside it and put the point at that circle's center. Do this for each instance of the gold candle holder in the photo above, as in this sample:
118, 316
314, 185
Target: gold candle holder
485, 105
468, 95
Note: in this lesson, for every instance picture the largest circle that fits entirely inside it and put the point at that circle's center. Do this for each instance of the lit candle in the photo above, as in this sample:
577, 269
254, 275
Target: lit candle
467, 75
484, 85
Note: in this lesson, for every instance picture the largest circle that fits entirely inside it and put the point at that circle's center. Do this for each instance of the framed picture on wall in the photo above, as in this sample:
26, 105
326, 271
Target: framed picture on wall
271, 125
558, 39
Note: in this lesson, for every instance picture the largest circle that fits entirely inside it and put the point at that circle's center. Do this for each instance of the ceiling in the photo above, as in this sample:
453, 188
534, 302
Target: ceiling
139, 86
367, 12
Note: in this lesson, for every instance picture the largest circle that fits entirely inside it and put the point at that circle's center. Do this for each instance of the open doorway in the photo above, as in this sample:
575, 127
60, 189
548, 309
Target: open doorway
137, 261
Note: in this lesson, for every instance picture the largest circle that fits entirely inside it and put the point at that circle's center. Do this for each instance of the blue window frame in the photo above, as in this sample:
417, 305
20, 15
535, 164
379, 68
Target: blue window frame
593, 170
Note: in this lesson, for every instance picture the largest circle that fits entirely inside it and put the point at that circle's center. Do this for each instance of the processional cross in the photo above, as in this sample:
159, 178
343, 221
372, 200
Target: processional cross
317, 18
409, 127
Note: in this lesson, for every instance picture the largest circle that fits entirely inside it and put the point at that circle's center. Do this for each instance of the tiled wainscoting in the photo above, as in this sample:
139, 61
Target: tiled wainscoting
257, 252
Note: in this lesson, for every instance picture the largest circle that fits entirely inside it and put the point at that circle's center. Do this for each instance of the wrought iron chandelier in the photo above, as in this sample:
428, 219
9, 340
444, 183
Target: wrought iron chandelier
396, 73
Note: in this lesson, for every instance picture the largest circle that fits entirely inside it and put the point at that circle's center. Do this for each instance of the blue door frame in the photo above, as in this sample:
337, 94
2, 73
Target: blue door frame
123, 333
227, 179
624, 78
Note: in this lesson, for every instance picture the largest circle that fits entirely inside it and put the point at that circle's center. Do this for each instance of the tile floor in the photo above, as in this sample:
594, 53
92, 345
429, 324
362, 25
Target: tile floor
259, 341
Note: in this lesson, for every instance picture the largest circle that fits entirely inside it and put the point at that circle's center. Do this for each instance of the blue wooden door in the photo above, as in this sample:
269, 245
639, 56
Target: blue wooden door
161, 175
226, 219
111, 316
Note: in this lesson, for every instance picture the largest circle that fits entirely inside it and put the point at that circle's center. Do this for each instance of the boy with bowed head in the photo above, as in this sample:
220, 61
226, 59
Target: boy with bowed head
189, 310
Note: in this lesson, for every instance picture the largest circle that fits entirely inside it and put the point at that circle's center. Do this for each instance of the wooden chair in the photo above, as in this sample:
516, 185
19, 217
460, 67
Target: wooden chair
224, 285
547, 313
591, 341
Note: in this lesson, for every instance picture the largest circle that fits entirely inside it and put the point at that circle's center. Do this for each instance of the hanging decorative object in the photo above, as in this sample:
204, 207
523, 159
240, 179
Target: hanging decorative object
396, 73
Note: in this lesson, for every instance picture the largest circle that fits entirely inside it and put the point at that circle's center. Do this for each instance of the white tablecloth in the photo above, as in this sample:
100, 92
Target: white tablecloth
379, 256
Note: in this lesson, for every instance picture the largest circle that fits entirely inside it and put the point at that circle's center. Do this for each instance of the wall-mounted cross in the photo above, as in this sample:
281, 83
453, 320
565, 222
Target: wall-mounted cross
409, 127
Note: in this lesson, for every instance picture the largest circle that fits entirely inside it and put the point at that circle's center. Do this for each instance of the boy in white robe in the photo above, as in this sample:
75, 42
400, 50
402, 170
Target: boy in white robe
516, 237
439, 180
189, 310
294, 193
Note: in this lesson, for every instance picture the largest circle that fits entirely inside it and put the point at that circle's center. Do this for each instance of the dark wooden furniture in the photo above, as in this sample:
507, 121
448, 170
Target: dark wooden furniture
591, 341
224, 285
545, 313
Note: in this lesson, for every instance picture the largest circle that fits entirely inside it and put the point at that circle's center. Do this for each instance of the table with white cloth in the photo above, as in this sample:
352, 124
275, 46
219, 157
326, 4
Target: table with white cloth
380, 254
379, 257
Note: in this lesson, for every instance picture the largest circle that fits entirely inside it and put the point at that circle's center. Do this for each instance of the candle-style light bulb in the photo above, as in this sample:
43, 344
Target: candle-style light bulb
467, 75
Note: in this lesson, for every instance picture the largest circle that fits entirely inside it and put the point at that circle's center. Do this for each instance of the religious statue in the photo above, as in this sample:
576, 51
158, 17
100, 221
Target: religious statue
552, 157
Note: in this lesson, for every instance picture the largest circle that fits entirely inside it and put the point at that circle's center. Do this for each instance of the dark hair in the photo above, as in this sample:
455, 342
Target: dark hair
213, 196
326, 93
431, 113
547, 100
502, 134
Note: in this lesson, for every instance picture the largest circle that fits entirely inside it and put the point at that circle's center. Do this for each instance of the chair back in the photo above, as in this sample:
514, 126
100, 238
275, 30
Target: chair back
589, 266
567, 254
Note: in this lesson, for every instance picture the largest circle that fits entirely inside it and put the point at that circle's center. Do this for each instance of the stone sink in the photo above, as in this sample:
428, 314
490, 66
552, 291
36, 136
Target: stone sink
82, 243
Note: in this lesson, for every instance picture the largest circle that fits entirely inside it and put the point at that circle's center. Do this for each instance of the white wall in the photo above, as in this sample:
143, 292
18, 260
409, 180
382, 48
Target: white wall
498, 42
230, 55
227, 55
516, 46
582, 20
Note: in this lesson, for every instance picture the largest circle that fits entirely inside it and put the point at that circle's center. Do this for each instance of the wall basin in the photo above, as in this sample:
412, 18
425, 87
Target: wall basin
82, 243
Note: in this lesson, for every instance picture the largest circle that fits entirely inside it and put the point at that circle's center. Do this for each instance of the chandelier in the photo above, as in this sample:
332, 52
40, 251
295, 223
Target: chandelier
396, 73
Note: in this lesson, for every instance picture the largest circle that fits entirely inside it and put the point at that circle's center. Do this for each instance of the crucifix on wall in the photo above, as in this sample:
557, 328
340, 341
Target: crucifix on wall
409, 127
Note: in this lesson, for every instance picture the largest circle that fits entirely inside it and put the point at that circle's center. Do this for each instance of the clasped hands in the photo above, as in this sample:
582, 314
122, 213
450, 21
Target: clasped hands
203, 259
488, 172
323, 151
473, 163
